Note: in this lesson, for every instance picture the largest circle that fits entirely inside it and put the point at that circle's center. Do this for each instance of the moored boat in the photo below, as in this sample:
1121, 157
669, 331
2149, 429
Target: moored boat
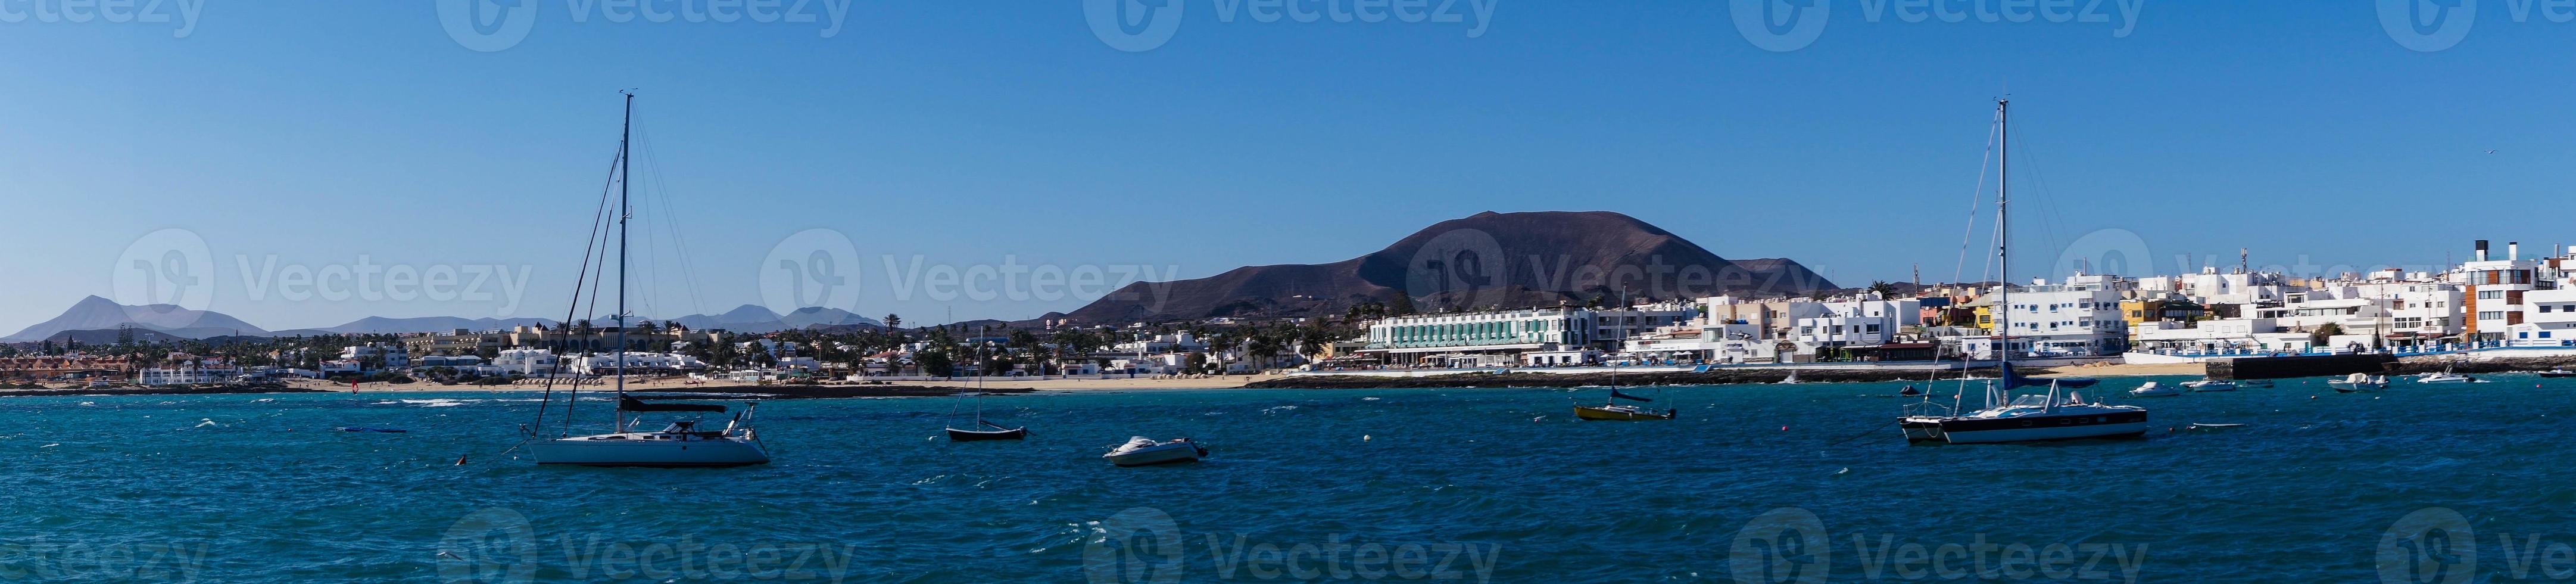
2153, 389
2056, 415
1619, 412
2358, 382
681, 442
2445, 377
997, 432
2210, 385
1142, 451
2558, 373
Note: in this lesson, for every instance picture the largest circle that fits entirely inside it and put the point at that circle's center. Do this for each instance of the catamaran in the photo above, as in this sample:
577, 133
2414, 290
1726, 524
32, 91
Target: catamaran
2060, 414
681, 442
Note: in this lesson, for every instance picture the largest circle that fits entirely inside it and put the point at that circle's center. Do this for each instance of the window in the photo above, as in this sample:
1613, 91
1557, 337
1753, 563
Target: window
2491, 315
2491, 295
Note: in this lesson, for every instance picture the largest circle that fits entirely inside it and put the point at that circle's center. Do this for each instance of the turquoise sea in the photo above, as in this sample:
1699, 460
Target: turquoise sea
1499, 485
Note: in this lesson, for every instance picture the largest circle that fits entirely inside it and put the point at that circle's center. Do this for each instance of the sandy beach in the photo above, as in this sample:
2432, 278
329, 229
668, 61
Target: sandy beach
1215, 382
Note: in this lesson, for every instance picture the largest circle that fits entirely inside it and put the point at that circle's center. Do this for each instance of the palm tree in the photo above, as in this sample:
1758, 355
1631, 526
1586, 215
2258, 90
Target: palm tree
893, 322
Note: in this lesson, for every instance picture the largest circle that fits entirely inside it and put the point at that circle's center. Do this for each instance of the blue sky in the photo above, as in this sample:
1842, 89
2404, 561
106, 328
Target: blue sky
963, 135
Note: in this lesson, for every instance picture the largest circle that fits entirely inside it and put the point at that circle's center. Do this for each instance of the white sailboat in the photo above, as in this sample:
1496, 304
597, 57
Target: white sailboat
681, 442
2060, 414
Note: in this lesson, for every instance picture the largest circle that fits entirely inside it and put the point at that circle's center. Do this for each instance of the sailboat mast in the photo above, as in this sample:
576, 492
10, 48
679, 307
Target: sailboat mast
625, 164
2003, 235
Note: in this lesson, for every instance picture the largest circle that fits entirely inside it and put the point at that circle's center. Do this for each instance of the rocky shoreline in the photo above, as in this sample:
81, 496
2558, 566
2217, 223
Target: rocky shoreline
170, 390
2433, 364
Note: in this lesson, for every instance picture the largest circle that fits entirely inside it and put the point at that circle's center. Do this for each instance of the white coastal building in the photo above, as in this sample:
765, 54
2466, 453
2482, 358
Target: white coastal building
525, 361
601, 364
1858, 323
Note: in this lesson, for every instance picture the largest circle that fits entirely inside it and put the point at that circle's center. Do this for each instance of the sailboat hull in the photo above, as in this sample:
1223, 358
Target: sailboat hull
1921, 429
956, 435
636, 450
2042, 428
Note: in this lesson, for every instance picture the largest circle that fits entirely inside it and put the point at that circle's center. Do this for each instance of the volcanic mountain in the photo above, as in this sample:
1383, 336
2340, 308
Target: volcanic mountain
95, 313
1486, 260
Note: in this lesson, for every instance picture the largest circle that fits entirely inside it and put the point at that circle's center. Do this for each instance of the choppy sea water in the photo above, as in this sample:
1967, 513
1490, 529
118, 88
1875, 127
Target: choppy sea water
1754, 483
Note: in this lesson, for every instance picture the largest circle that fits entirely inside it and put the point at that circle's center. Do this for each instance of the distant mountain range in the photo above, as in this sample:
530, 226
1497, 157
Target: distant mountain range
1490, 259
95, 320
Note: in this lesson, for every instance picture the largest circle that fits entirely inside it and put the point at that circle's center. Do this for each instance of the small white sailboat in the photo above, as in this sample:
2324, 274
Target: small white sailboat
1142, 451
2210, 385
681, 442
2153, 389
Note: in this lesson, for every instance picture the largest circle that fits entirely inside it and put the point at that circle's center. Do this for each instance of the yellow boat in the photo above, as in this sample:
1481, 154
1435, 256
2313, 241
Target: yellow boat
1621, 413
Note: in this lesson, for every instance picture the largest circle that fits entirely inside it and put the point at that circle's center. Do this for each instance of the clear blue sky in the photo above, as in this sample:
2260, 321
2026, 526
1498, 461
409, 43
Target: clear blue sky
963, 133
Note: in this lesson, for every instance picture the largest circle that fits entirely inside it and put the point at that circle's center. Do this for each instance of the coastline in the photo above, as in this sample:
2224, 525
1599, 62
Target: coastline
2410, 365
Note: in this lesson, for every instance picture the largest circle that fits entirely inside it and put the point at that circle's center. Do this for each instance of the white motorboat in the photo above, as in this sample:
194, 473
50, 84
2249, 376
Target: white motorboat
2446, 377
2359, 382
2209, 385
680, 443
1141, 451
2153, 389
